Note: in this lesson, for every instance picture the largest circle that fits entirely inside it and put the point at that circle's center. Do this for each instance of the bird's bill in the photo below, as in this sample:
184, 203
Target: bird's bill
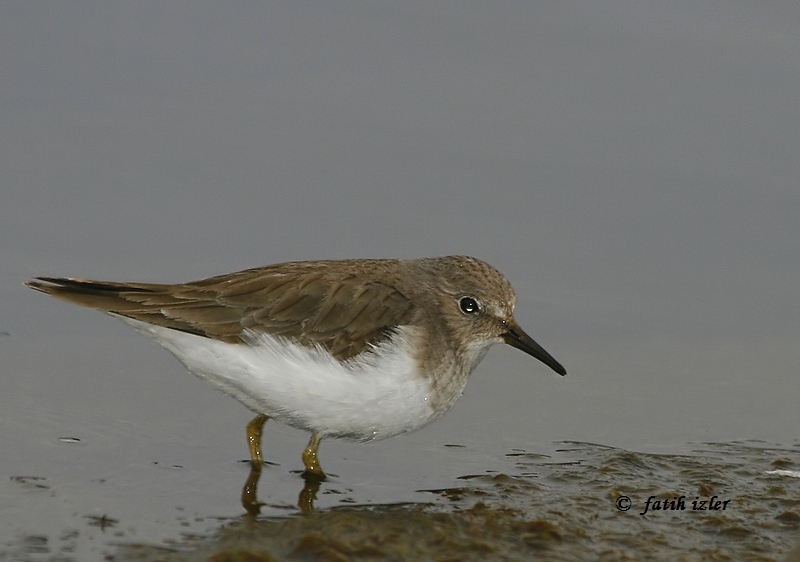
516, 337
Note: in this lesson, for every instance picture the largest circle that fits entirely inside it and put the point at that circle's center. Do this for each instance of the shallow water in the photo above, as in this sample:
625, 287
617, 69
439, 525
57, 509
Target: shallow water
113, 451
565, 503
631, 170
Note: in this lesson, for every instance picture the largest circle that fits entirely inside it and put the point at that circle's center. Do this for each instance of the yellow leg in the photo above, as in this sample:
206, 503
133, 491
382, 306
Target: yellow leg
313, 468
305, 501
250, 491
254, 437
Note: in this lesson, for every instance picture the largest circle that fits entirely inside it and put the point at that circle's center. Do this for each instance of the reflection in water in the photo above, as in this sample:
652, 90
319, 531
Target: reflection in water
563, 505
305, 501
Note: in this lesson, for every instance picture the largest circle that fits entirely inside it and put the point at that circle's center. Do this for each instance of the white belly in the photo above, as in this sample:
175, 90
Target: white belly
378, 395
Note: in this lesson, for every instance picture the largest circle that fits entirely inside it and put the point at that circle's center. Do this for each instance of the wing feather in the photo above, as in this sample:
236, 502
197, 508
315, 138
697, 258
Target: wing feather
343, 311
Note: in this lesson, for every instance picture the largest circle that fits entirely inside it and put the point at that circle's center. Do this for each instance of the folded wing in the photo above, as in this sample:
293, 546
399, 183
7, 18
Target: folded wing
343, 312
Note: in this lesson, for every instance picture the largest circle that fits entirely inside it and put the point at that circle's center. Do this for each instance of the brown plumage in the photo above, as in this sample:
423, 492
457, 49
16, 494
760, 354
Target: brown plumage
309, 303
406, 334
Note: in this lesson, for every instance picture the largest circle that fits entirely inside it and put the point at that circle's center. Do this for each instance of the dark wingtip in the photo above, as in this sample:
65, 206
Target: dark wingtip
38, 284
75, 285
50, 284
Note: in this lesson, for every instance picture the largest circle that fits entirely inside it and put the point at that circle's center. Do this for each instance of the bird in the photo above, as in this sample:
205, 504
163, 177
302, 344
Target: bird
355, 349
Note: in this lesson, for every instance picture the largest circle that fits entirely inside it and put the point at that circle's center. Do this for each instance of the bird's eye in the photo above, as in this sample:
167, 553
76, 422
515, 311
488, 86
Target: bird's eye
468, 305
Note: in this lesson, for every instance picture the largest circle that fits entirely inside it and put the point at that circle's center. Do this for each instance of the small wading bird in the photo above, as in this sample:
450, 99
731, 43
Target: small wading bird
352, 349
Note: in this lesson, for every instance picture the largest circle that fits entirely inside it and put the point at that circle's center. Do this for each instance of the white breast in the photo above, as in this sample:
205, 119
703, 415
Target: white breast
379, 394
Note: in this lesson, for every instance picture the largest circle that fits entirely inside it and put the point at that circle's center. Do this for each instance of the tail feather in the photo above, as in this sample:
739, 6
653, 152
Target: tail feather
83, 285
94, 294
160, 305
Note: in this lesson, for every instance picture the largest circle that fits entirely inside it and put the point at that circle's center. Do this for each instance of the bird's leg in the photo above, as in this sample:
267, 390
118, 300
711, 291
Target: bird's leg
250, 490
305, 501
254, 429
313, 468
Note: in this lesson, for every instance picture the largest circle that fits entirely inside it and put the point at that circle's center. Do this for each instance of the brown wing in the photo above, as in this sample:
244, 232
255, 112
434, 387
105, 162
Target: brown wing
343, 312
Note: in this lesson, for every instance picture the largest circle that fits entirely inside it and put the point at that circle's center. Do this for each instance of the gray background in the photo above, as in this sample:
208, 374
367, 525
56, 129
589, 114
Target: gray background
632, 168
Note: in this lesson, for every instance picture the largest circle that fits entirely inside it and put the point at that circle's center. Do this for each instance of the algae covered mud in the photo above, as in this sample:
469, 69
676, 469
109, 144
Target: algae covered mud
580, 501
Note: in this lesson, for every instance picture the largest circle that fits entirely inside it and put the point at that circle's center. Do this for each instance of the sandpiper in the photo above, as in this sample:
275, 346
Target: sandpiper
353, 349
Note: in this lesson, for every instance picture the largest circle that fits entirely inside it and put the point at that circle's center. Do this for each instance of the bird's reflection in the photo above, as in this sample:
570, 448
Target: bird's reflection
305, 501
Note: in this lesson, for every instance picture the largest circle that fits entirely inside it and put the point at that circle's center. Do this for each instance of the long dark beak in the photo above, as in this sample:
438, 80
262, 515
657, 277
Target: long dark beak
516, 337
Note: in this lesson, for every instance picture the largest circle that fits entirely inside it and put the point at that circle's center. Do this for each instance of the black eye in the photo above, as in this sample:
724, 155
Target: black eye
468, 305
